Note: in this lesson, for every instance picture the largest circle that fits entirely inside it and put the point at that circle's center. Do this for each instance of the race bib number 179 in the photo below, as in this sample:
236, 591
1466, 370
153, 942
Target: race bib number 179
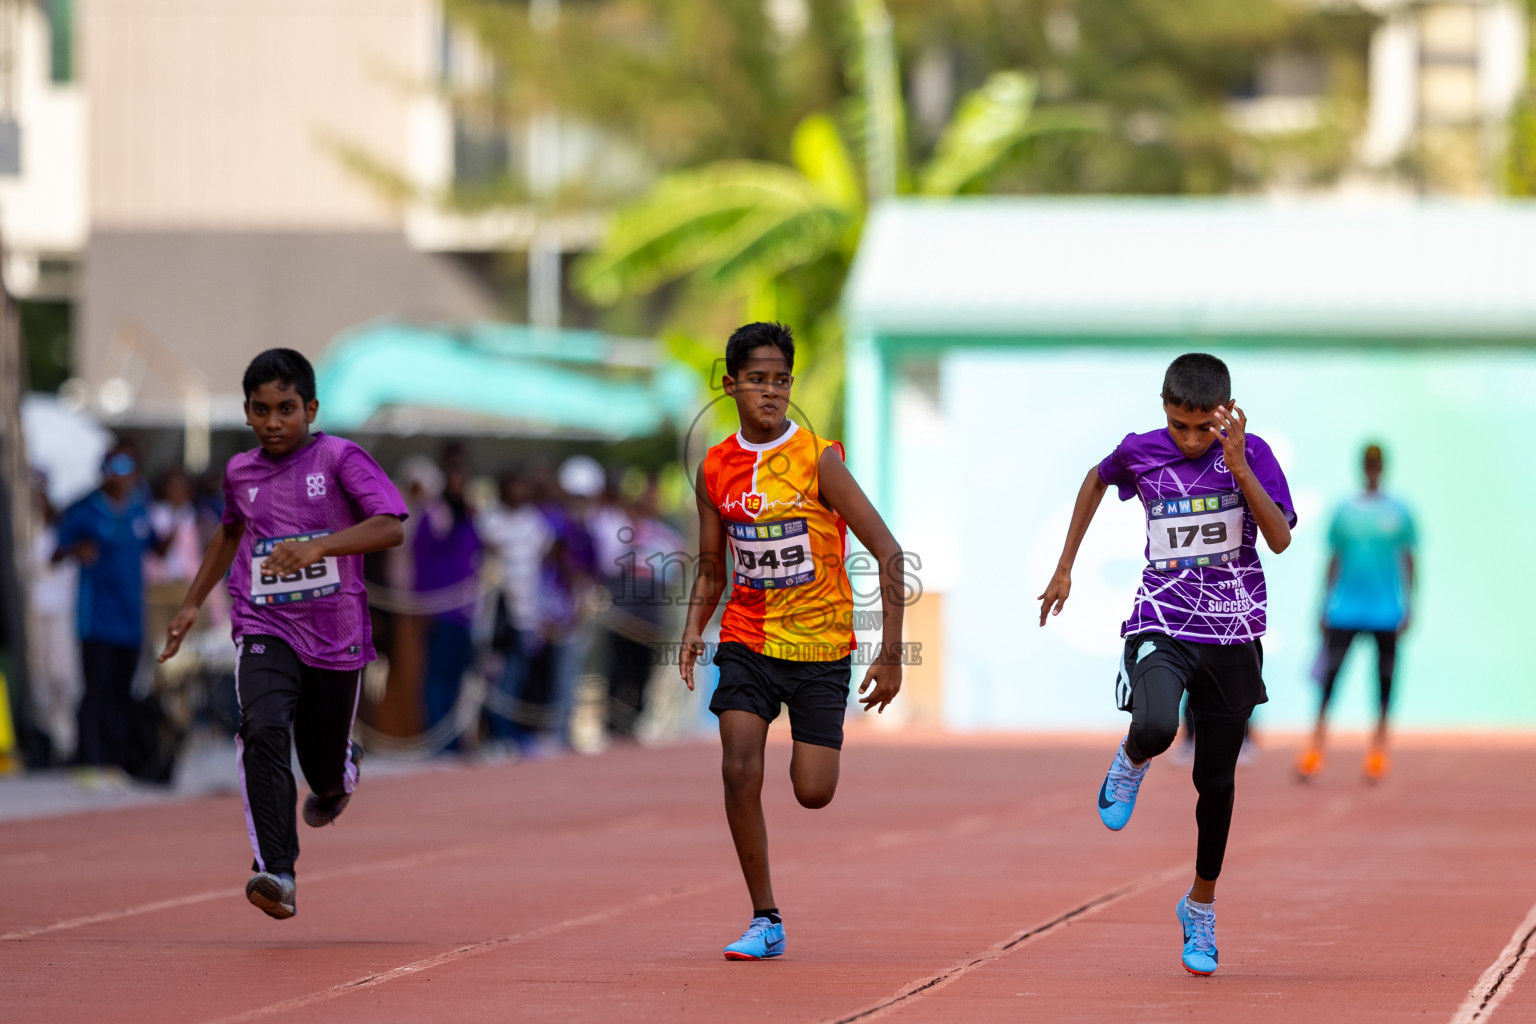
771, 556
317, 580
1184, 533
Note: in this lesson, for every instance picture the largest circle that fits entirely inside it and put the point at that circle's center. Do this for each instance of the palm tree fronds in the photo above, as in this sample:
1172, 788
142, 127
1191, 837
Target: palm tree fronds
686, 224
822, 157
769, 243
989, 122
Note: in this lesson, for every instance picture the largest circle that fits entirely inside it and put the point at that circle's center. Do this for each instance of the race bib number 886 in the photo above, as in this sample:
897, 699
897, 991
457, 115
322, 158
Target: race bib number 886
771, 556
317, 580
1184, 533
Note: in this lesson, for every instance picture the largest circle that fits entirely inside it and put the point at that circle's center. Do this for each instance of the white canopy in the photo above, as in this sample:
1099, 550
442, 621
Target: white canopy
1197, 267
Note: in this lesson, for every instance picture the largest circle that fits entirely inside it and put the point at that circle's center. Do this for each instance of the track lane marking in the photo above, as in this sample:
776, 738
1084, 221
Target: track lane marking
1024, 937
397, 864
1496, 982
967, 825
19, 860
932, 983
475, 949
625, 824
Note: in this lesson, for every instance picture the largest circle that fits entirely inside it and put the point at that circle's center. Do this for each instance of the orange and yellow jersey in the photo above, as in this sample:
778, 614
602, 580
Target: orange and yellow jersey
790, 597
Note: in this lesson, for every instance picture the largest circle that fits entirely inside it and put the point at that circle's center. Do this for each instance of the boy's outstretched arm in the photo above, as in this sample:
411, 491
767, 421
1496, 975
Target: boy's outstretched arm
372, 534
708, 580
217, 558
842, 493
1088, 497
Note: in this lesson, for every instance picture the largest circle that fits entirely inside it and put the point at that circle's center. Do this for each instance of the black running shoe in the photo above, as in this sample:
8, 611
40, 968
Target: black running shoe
322, 810
272, 894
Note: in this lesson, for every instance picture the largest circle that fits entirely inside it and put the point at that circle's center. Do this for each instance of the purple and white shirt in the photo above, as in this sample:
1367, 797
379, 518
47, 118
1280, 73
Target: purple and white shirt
1202, 581
325, 487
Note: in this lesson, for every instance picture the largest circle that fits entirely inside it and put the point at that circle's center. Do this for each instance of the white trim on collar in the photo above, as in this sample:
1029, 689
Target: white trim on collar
770, 445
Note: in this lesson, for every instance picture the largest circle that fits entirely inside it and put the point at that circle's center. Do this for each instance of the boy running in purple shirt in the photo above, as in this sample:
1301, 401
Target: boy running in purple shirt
299, 513
1209, 489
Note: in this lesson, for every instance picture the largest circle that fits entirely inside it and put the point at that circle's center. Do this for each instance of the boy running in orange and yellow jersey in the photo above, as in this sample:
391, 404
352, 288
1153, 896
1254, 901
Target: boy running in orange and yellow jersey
779, 499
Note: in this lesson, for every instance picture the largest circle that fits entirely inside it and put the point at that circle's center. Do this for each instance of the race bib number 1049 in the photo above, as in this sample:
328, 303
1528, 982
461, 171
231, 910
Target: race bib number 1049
317, 580
1184, 533
771, 556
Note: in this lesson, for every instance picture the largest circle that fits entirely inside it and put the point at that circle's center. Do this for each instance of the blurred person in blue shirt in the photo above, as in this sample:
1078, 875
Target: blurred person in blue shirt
1369, 590
108, 533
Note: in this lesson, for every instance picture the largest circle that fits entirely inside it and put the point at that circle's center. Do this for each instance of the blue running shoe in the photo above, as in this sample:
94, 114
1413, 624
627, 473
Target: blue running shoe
762, 939
1117, 797
322, 810
272, 894
1199, 937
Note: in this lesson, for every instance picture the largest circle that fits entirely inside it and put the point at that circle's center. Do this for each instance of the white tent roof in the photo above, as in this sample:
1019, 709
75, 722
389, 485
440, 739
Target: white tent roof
1157, 267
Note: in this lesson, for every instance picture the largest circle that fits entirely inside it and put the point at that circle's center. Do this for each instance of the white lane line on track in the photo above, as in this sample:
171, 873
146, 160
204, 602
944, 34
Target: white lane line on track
967, 825
19, 860
464, 952
933, 982
398, 864
620, 825
1496, 982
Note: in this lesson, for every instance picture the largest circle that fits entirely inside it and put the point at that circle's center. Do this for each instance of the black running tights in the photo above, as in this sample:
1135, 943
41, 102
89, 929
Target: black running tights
1218, 740
1336, 644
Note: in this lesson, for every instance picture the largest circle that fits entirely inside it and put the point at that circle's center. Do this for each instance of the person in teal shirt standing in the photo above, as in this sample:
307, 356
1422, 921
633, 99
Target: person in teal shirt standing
1369, 590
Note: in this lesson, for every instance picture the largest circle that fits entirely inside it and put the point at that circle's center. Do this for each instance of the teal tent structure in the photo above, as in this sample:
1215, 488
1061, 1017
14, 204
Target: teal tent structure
397, 376
999, 347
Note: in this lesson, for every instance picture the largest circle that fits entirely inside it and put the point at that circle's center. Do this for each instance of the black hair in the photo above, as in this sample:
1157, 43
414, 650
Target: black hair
755, 335
281, 366
1197, 381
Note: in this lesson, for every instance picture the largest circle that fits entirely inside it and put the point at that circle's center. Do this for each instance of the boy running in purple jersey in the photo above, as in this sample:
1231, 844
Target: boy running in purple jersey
1199, 612
299, 513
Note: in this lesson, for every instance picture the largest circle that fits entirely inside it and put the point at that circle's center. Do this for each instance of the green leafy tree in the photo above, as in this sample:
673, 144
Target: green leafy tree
783, 236
752, 129
1162, 75
684, 82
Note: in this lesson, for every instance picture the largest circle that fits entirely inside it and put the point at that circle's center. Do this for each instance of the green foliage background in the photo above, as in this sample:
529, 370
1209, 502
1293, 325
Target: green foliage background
751, 140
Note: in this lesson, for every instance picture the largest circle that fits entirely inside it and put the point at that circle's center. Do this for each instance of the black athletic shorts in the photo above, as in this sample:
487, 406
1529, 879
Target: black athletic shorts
1222, 680
815, 691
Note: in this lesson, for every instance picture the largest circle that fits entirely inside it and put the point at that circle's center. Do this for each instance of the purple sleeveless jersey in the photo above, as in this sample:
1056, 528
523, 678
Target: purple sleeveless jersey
321, 611
1202, 581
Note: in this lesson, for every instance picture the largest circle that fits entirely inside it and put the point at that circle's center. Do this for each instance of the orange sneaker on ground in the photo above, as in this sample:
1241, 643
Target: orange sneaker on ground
1376, 765
1309, 763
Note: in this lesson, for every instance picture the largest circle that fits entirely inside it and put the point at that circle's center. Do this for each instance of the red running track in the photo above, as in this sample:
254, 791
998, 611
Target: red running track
948, 881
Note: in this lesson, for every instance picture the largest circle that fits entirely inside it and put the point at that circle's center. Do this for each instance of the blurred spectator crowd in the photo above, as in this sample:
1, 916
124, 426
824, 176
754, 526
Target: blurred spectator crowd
519, 618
